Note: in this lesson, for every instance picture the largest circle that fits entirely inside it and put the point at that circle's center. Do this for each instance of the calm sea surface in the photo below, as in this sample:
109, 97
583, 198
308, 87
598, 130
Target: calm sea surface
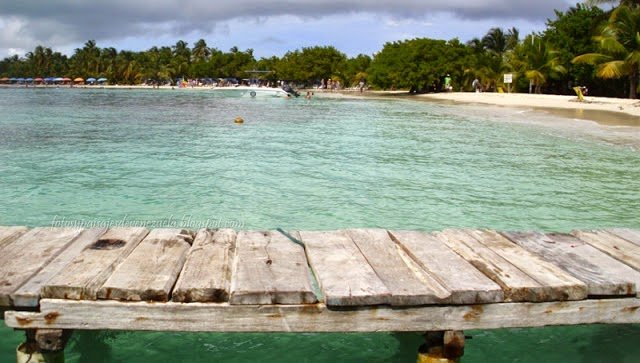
155, 157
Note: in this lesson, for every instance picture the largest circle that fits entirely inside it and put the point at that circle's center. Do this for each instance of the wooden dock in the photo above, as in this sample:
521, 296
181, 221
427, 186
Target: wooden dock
360, 280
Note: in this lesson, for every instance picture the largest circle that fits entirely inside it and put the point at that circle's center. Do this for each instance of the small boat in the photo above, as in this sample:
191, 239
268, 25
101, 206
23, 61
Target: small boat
253, 91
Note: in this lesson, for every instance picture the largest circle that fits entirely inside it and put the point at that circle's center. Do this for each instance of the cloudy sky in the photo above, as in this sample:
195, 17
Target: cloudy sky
270, 27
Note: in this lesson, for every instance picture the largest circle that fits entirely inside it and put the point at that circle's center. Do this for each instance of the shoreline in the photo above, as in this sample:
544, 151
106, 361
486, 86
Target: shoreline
603, 110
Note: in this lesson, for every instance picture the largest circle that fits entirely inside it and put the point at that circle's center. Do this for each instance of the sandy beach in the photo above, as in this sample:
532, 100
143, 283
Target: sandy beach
618, 105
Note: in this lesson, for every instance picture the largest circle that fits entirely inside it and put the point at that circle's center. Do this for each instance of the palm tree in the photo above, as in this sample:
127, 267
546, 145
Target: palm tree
495, 41
619, 42
200, 51
538, 61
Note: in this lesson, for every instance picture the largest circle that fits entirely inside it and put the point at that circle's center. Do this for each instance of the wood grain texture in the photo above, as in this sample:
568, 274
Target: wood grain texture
86, 273
407, 285
28, 295
517, 285
152, 268
94, 315
603, 274
10, 234
445, 266
558, 284
270, 269
616, 247
24, 257
206, 275
345, 277
631, 235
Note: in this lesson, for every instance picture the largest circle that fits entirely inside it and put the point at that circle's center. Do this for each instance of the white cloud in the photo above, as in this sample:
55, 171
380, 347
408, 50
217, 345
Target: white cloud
64, 24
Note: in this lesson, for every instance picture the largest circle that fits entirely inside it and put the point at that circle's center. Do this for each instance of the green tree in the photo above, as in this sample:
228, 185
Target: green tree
536, 59
313, 64
619, 45
356, 69
418, 64
570, 34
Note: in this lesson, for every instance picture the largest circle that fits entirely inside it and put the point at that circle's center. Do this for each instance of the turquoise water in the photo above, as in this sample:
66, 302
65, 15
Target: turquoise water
176, 158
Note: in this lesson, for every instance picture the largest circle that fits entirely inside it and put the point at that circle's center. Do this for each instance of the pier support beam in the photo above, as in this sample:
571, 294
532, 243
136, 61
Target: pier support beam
442, 347
43, 346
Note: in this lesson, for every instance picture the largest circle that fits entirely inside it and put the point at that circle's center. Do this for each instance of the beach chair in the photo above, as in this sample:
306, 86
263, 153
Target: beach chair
500, 90
578, 92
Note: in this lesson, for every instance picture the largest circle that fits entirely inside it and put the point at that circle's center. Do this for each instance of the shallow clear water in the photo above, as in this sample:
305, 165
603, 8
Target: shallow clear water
176, 158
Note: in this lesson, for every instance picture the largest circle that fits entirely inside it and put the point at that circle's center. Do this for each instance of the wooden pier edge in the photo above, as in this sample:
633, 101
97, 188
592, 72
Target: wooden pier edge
223, 317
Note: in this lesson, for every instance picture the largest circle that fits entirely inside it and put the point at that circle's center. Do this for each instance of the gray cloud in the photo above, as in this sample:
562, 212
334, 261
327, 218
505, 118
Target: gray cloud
26, 22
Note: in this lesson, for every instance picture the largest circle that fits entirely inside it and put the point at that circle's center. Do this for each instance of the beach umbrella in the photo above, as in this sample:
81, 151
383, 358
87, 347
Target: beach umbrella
29, 79
58, 79
79, 80
4, 79
101, 80
39, 79
66, 79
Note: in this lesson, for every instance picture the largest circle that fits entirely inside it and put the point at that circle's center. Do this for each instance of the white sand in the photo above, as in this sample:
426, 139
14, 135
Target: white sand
626, 106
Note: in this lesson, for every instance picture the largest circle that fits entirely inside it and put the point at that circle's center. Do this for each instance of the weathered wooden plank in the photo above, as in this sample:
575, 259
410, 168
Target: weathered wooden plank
25, 256
343, 273
446, 266
269, 269
517, 285
603, 274
102, 315
206, 274
10, 234
152, 268
614, 246
558, 284
630, 235
28, 294
82, 278
408, 285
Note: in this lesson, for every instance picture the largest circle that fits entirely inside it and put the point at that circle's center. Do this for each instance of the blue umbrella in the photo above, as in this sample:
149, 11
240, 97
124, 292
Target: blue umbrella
91, 80
58, 79
100, 80
29, 79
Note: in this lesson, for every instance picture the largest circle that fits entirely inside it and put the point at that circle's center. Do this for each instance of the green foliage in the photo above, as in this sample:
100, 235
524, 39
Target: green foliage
570, 34
312, 64
418, 64
619, 48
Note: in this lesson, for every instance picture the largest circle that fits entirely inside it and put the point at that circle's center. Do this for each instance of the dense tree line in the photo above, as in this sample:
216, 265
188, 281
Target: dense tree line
584, 46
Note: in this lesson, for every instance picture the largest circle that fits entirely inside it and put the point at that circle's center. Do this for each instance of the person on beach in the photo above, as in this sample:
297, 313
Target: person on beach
476, 85
447, 83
